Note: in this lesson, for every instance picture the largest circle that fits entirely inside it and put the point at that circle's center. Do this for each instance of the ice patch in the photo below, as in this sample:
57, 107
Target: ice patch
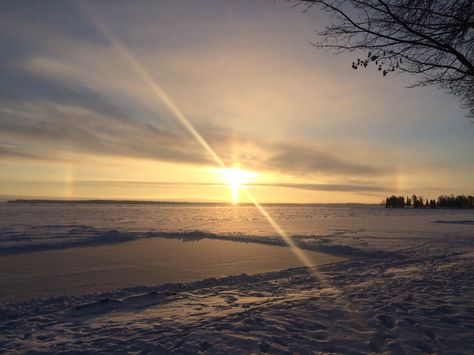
467, 222
88, 236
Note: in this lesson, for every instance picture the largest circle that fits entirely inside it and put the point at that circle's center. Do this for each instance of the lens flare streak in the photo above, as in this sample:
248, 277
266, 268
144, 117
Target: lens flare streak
177, 113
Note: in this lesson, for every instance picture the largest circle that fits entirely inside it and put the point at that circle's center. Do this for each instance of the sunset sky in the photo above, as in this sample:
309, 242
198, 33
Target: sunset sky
136, 100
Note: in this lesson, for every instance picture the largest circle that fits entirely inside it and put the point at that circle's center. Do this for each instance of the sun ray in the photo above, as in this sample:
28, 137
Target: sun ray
163, 97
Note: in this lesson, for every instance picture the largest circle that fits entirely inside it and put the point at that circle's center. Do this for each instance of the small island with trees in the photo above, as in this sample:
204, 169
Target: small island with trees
443, 201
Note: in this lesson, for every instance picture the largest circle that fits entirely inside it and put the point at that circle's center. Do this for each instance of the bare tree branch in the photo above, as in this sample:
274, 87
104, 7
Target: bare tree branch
430, 39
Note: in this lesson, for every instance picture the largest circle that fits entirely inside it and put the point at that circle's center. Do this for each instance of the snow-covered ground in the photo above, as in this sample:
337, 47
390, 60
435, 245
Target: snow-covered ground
408, 289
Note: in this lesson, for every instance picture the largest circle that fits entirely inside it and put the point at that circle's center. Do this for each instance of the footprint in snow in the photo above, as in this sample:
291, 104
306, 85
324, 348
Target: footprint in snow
386, 320
230, 299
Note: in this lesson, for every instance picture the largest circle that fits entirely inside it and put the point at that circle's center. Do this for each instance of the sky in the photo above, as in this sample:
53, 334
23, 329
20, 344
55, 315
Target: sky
187, 101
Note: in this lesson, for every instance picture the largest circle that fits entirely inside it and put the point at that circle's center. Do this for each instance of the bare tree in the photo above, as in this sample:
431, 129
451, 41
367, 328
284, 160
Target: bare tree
432, 39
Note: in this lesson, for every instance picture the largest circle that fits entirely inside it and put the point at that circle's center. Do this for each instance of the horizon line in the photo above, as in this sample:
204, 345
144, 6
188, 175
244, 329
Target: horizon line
53, 200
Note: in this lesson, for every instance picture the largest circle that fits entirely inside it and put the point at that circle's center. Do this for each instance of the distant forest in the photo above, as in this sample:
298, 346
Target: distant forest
443, 201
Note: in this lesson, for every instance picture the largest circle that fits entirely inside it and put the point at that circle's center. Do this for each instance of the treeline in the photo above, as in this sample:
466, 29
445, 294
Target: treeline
443, 201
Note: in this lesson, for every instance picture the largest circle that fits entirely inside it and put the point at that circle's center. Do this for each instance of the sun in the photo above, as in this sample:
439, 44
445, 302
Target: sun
236, 178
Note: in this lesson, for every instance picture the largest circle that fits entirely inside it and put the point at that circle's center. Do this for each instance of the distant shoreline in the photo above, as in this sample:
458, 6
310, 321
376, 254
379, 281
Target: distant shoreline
170, 203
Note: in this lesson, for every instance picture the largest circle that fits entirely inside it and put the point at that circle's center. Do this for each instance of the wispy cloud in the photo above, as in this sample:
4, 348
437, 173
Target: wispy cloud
124, 119
64, 128
363, 188
17, 152
60, 129
305, 160
328, 187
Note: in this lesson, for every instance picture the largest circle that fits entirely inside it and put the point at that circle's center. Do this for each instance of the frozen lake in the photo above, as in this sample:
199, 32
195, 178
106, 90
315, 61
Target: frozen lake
54, 249
33, 227
147, 261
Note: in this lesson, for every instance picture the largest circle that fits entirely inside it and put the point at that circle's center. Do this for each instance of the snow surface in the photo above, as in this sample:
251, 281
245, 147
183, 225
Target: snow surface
409, 289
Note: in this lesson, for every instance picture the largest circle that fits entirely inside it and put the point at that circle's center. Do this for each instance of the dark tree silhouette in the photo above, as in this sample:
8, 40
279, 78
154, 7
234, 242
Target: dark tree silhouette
395, 202
408, 203
432, 39
460, 201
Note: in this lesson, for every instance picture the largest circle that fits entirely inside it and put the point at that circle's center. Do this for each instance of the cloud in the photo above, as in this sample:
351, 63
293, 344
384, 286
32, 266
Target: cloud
12, 152
307, 160
64, 128
359, 188
117, 114
327, 187
57, 130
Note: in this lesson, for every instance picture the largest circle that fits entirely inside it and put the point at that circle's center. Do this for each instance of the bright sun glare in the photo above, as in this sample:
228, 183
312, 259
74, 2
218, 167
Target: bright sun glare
236, 178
